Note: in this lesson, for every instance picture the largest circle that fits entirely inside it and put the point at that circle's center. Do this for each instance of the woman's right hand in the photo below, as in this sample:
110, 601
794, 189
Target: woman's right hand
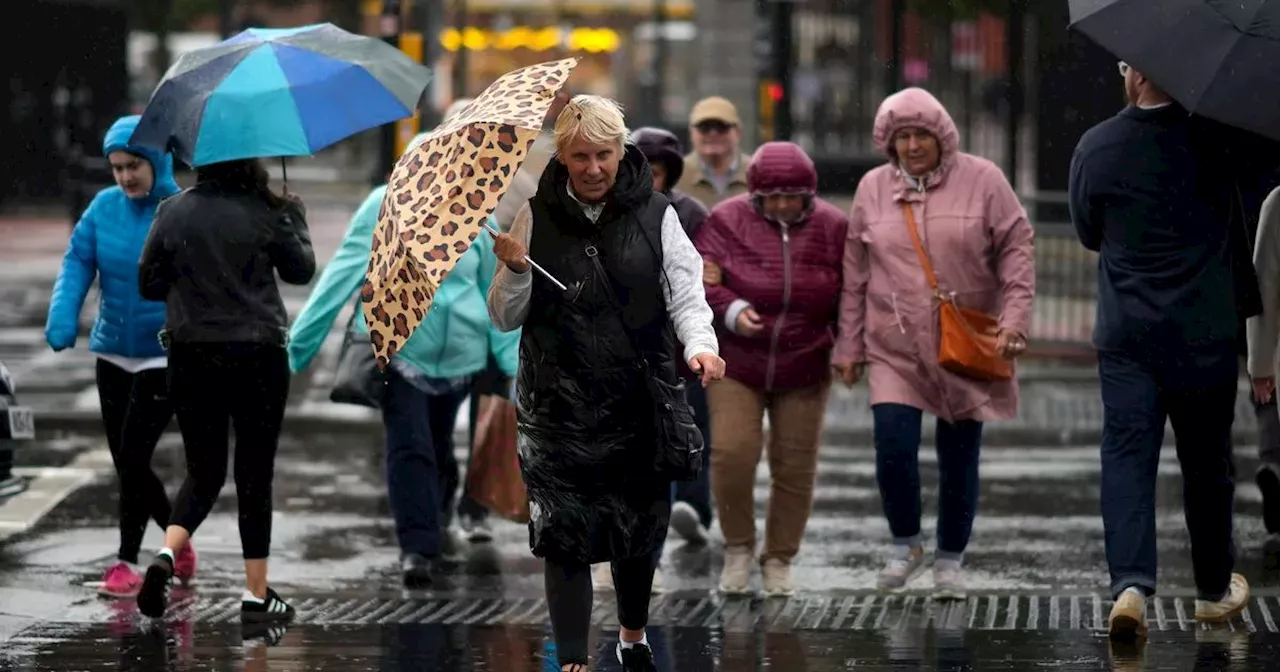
511, 252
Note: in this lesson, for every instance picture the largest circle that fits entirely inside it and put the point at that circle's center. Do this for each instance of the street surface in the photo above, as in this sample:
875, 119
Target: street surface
1036, 568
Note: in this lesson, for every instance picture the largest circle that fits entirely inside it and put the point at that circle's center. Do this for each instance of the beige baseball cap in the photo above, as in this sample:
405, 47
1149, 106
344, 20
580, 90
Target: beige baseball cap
714, 108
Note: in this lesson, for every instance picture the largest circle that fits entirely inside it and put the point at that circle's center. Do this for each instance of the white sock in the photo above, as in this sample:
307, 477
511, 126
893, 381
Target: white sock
628, 645
249, 597
168, 552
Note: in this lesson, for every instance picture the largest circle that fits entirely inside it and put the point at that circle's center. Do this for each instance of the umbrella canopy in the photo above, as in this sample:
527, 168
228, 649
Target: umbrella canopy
278, 92
442, 192
1217, 58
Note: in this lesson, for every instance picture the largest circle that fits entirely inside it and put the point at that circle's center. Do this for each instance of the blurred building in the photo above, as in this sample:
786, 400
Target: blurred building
67, 84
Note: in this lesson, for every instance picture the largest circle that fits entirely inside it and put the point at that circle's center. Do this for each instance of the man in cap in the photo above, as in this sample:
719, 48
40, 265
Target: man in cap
717, 168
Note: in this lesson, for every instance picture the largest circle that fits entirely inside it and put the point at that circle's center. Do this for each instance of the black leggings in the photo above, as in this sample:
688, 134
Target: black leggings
214, 385
135, 412
569, 599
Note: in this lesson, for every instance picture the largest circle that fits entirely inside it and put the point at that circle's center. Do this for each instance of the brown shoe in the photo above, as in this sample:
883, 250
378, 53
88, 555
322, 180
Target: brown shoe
1128, 616
1236, 599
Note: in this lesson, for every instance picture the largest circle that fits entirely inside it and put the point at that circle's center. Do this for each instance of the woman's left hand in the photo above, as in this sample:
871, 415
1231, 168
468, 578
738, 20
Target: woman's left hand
1011, 344
710, 367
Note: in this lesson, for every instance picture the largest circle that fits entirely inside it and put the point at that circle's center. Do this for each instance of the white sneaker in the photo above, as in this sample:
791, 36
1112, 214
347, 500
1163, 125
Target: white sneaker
901, 570
1236, 599
735, 578
777, 578
948, 582
478, 530
602, 577
684, 520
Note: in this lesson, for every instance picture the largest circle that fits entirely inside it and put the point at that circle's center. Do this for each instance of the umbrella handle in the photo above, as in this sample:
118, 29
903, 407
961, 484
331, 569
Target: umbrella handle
495, 233
284, 173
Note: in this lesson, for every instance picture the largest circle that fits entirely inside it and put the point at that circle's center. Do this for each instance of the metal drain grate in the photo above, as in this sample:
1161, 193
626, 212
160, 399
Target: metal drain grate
868, 612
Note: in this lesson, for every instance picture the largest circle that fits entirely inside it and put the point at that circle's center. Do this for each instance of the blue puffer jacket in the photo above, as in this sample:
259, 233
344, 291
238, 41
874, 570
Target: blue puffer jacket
107, 243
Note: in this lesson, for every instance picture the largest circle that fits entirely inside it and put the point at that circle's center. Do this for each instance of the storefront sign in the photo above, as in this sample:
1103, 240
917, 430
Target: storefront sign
593, 40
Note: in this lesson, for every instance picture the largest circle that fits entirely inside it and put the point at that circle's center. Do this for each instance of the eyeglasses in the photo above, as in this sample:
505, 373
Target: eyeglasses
712, 126
1124, 69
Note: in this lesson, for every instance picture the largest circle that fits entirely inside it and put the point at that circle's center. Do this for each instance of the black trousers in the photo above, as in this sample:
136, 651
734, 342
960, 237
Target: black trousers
569, 597
214, 386
135, 412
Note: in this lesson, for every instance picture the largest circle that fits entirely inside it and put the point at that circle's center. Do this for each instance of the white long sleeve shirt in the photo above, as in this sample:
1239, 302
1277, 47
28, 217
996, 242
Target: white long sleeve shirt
681, 285
1264, 329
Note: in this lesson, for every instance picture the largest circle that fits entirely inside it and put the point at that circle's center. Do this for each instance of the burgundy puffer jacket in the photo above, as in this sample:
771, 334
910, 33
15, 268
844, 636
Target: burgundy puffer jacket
790, 275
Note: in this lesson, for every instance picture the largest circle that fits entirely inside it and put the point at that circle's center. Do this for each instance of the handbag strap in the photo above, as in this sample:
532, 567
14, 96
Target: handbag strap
919, 245
594, 255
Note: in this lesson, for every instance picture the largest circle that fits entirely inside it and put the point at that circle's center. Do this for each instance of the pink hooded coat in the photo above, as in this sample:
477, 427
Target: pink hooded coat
978, 238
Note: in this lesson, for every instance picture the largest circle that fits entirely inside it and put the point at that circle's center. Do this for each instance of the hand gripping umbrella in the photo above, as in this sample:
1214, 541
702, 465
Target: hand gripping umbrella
278, 92
441, 194
1217, 58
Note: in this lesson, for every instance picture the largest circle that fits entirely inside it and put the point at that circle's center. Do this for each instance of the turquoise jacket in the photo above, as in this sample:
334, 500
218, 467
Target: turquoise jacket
454, 340
106, 244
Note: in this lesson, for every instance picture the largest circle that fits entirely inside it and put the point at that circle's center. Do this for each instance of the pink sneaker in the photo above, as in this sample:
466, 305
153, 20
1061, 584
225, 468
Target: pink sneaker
184, 566
120, 581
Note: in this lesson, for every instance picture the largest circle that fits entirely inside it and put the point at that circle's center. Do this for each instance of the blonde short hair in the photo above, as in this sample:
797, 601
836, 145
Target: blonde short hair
595, 119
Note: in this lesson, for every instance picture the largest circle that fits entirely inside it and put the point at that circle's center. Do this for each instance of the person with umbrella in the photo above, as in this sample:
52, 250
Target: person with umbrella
131, 370
1154, 191
427, 381
585, 453
215, 251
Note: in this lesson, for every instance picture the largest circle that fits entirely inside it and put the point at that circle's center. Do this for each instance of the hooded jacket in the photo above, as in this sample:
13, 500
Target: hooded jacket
789, 273
107, 243
978, 239
662, 146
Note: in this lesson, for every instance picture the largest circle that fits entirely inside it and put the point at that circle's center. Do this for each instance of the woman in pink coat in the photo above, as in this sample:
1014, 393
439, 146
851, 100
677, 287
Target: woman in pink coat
980, 244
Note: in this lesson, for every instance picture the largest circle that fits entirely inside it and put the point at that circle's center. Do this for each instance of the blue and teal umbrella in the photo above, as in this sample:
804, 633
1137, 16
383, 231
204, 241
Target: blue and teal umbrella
277, 93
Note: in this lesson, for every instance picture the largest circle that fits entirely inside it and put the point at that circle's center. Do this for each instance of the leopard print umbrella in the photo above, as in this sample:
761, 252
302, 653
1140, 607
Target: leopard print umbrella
441, 193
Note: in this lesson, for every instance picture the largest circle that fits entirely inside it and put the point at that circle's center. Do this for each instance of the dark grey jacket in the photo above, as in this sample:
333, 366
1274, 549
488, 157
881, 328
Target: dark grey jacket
212, 257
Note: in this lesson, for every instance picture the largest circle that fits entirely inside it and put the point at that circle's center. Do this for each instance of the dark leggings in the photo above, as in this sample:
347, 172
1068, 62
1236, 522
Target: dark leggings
214, 385
135, 413
569, 598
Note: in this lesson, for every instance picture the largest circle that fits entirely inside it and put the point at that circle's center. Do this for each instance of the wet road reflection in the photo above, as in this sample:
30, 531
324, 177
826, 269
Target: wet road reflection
127, 644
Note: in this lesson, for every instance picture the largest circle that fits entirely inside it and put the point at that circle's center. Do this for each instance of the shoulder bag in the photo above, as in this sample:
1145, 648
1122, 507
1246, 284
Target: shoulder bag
966, 337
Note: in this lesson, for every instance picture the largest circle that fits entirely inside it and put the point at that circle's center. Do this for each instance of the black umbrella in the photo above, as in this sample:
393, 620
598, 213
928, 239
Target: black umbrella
1218, 58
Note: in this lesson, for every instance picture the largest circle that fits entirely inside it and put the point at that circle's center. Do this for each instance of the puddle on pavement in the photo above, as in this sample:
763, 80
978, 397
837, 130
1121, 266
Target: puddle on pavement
128, 645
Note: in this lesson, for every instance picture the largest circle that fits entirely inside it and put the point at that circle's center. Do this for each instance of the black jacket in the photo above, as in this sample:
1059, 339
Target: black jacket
212, 257
586, 452
1159, 194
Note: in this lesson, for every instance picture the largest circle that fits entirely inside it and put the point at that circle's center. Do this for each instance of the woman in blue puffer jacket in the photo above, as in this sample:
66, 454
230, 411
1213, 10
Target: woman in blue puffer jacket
131, 367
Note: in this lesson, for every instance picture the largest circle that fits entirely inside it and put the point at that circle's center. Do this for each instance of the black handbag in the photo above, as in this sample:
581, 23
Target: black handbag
357, 380
679, 441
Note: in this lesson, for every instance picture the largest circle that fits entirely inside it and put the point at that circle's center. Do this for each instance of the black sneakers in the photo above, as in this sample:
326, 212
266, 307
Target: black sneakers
416, 568
153, 598
638, 658
270, 609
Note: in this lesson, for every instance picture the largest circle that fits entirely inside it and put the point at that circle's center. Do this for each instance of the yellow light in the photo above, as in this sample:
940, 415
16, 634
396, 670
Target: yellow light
592, 40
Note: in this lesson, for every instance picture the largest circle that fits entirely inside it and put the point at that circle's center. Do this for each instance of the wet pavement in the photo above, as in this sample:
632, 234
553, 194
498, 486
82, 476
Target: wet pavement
464, 648
1035, 571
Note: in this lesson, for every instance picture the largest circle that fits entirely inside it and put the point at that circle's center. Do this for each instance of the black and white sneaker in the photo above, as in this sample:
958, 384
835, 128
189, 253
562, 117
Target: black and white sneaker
153, 597
637, 658
270, 609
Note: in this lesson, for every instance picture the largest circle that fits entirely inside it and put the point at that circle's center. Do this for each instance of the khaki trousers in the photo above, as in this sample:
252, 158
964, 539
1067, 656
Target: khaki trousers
737, 431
